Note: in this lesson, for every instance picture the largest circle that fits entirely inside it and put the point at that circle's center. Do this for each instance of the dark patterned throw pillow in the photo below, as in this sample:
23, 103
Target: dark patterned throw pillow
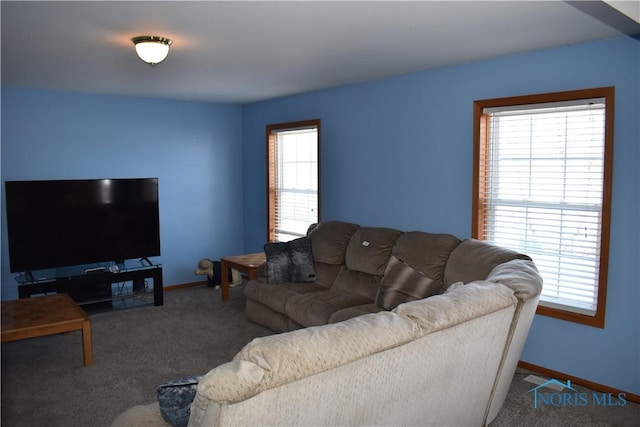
277, 262
301, 257
175, 399
290, 261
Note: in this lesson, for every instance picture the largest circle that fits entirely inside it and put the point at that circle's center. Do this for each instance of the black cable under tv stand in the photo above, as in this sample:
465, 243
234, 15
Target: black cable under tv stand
92, 287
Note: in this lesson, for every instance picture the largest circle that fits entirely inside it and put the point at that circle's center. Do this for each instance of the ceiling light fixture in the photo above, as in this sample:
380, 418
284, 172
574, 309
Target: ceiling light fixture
152, 49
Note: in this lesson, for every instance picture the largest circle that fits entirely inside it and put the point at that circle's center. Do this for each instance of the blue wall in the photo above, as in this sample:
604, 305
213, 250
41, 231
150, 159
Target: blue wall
398, 153
193, 148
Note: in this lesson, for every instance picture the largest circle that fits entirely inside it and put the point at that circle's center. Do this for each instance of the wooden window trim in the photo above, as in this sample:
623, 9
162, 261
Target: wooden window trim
271, 158
480, 151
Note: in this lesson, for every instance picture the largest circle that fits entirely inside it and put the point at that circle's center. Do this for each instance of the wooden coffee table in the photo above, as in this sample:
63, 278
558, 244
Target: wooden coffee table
46, 315
247, 263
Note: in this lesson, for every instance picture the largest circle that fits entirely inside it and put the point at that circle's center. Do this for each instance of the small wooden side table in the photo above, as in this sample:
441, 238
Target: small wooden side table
46, 315
247, 263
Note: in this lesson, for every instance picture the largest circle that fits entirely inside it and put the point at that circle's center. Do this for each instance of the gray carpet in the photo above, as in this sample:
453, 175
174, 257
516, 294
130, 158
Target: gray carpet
45, 384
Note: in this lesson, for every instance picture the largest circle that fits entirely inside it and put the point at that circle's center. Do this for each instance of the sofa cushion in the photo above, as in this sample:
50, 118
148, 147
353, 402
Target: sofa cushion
316, 308
290, 261
326, 273
258, 313
357, 282
425, 252
275, 297
474, 259
402, 283
369, 249
329, 241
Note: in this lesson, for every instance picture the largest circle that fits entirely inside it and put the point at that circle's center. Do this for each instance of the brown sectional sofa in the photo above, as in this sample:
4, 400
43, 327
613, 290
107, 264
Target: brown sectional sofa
360, 270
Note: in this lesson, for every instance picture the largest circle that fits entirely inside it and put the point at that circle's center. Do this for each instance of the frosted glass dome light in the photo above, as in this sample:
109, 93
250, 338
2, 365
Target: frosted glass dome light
152, 49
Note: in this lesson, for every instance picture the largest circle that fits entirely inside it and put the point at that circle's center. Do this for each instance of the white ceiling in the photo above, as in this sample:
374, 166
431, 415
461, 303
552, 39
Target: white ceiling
241, 51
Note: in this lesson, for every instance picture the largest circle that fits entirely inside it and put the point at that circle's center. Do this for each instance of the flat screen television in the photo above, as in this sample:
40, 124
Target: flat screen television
59, 223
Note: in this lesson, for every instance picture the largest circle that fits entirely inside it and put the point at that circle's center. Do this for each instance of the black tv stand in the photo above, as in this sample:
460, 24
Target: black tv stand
99, 287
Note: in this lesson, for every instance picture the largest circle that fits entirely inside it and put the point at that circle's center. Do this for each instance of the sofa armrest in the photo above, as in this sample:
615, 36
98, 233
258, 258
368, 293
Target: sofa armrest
474, 259
520, 275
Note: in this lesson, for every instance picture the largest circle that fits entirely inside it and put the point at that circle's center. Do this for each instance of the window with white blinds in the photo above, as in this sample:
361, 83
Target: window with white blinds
293, 179
543, 189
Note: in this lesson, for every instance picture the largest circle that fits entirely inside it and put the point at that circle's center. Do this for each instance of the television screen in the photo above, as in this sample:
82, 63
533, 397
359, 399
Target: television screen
74, 222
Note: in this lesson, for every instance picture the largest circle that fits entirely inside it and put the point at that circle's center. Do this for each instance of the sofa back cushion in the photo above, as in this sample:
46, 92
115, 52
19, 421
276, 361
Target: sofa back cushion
369, 249
326, 273
357, 282
416, 268
426, 252
329, 241
474, 259
402, 283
